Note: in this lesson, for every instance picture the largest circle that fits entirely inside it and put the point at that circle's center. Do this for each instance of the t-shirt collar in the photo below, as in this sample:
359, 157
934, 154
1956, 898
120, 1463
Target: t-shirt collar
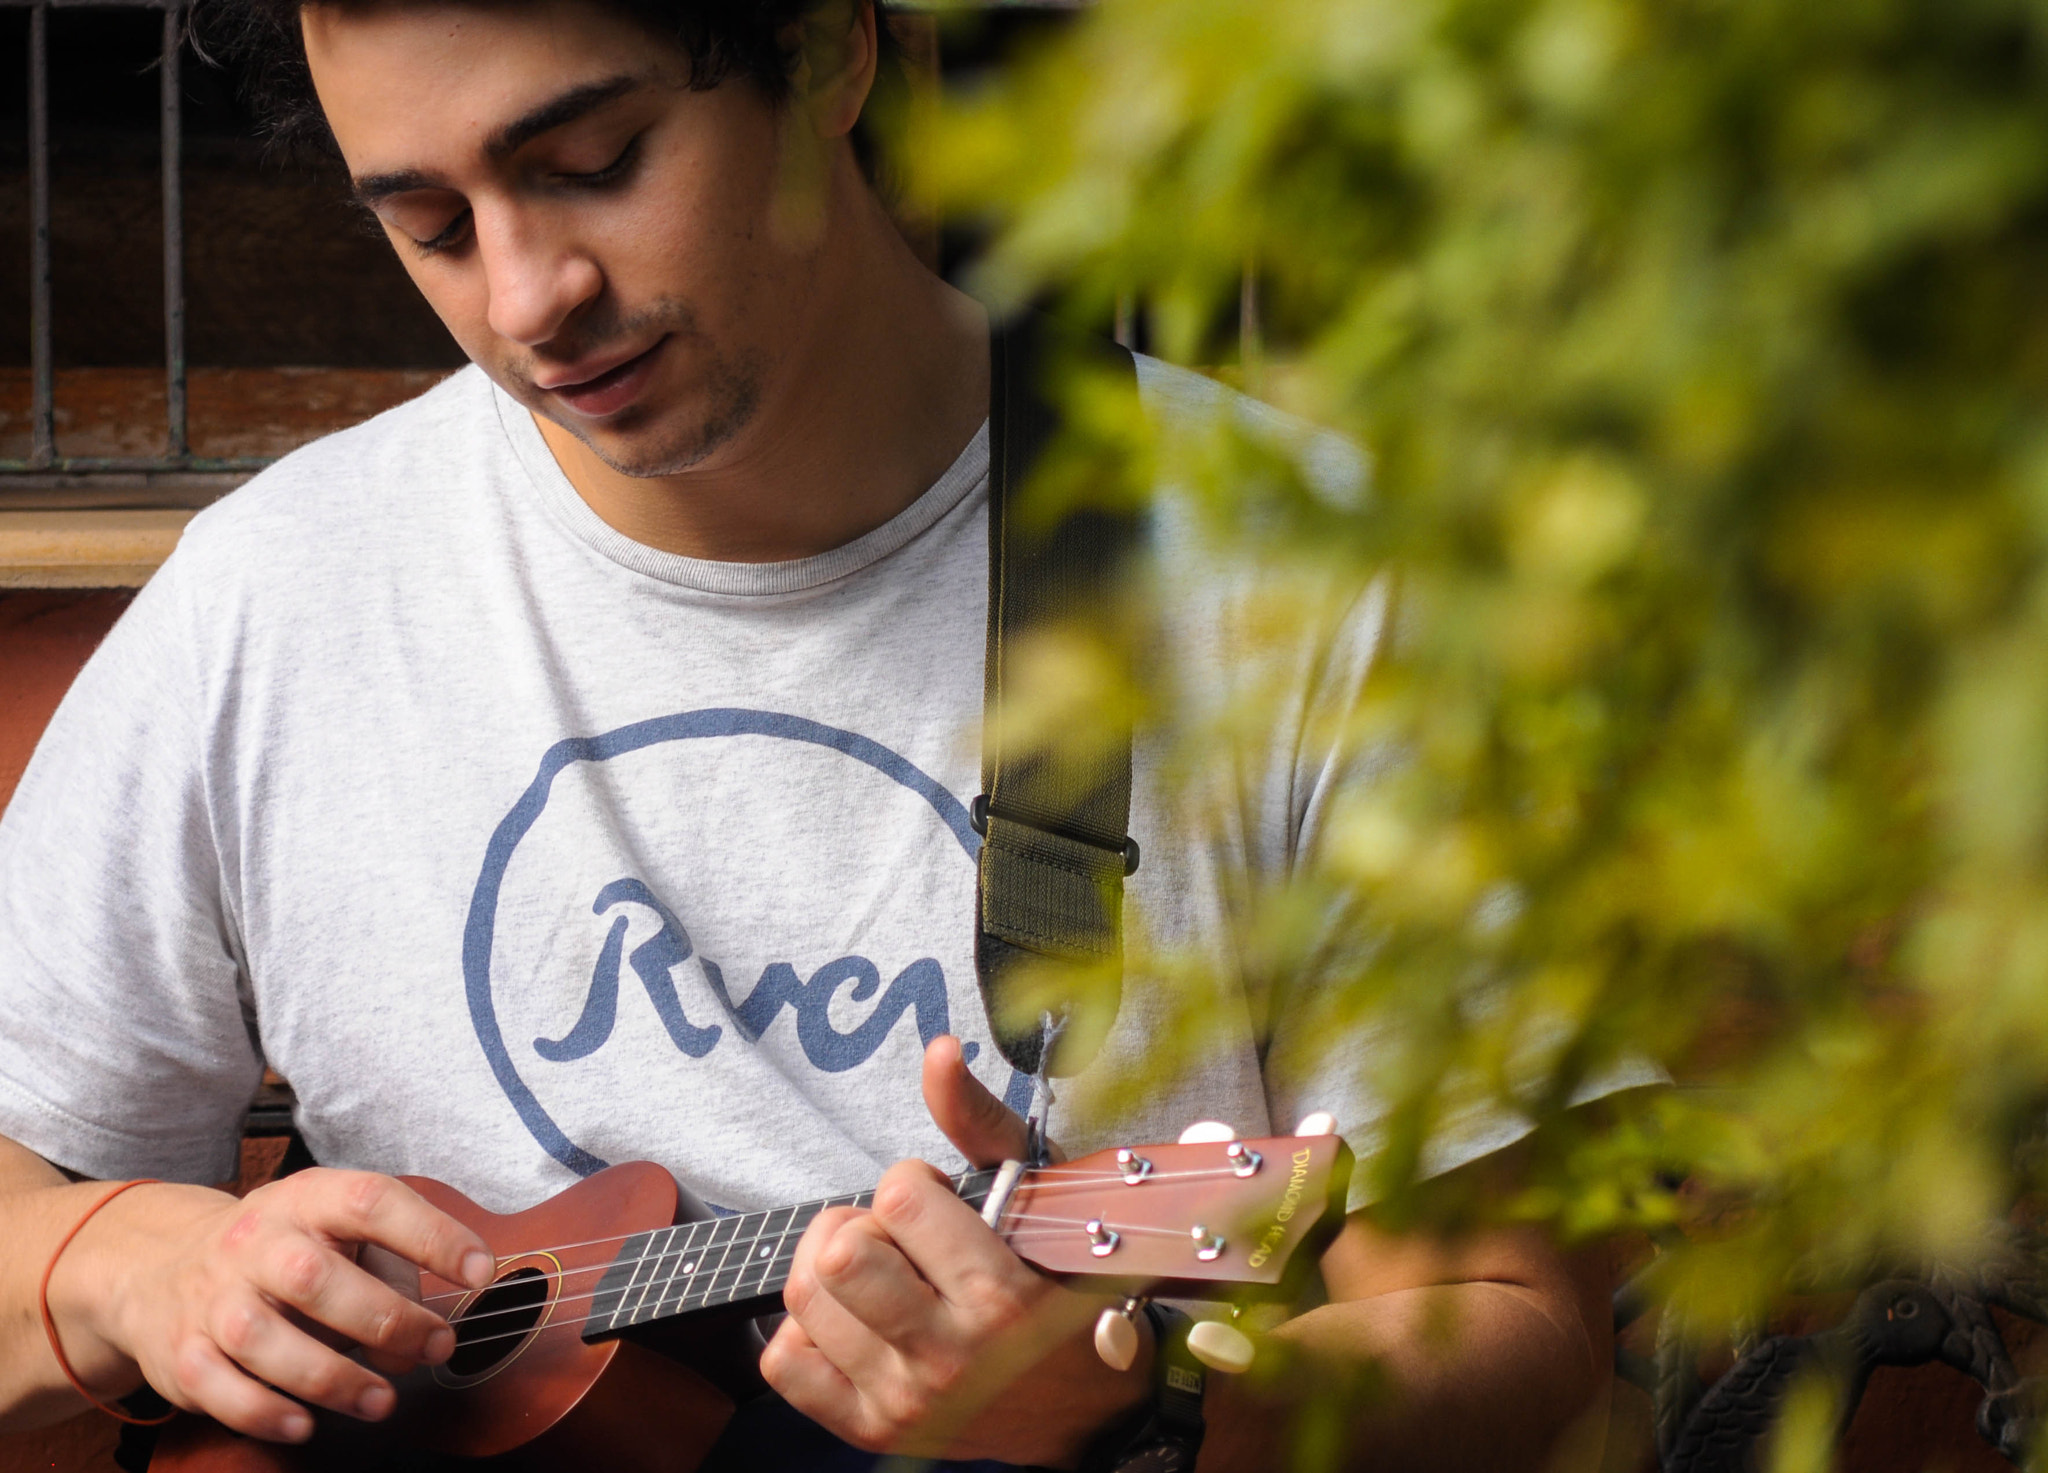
968, 470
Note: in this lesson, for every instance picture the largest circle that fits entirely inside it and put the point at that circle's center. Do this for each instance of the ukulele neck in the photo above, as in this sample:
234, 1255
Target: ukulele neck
719, 1262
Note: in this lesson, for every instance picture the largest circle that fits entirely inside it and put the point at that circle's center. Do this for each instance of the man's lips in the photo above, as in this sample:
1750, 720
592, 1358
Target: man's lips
611, 388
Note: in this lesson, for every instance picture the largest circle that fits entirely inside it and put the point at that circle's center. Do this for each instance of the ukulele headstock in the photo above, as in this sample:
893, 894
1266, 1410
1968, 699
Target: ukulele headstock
1182, 1220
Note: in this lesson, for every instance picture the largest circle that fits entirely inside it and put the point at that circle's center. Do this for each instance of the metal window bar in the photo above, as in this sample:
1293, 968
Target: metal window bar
45, 461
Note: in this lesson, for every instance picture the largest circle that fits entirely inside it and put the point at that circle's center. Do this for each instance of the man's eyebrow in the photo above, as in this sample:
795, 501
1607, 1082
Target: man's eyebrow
373, 189
555, 112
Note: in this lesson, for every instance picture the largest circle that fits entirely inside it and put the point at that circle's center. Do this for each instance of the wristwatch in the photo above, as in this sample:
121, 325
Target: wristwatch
1164, 1435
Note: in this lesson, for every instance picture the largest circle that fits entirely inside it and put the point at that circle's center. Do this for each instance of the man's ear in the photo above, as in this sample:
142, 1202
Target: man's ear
837, 70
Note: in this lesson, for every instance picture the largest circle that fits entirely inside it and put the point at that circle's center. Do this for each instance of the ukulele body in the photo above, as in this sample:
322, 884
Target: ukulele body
524, 1387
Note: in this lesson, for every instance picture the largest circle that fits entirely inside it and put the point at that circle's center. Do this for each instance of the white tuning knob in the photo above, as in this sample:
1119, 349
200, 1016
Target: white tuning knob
1216, 1345
1207, 1130
1322, 1122
1116, 1339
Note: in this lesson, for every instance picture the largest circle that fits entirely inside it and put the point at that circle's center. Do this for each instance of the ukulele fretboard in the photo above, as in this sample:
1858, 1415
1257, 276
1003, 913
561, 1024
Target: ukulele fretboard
721, 1261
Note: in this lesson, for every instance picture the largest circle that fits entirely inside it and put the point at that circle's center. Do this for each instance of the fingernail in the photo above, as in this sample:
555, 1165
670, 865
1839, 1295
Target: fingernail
476, 1269
297, 1427
440, 1345
375, 1402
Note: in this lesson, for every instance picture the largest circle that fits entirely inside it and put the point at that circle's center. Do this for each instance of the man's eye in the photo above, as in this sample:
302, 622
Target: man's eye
451, 235
610, 173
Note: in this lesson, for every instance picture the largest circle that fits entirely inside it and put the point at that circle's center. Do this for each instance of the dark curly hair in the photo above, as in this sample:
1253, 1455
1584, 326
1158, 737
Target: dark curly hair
724, 39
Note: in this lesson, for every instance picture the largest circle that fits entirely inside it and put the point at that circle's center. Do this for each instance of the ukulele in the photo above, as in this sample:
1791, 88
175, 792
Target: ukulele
555, 1365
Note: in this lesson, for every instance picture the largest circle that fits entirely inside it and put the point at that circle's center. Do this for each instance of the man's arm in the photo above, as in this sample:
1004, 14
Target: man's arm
202, 1294
912, 1328
1482, 1355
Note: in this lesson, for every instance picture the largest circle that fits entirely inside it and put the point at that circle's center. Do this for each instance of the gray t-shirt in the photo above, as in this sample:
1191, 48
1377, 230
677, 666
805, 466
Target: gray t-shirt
518, 847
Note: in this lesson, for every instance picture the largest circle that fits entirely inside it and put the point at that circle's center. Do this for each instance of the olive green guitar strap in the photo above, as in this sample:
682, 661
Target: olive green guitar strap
1054, 818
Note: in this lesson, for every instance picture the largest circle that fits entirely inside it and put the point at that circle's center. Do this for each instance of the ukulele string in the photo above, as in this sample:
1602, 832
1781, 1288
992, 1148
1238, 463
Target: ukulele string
851, 1200
709, 1301
1030, 1184
549, 1249
1044, 1224
1044, 1227
1092, 1180
674, 1251
784, 1255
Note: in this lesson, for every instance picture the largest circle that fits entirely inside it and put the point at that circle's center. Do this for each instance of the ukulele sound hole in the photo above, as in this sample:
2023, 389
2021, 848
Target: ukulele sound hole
496, 1322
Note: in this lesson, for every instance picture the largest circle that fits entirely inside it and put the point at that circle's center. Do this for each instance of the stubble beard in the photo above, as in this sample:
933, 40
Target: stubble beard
731, 394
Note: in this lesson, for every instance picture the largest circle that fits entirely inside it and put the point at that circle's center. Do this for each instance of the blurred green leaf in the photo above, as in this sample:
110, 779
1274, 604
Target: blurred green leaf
1700, 349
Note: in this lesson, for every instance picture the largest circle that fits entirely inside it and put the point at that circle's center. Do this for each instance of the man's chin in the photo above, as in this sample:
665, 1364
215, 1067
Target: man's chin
643, 451
636, 443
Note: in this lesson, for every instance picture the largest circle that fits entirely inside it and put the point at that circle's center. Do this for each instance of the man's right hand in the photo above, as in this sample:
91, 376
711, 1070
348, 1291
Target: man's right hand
223, 1304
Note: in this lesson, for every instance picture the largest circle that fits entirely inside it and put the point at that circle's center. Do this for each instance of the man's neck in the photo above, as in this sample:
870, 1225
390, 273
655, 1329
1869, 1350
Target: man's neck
876, 402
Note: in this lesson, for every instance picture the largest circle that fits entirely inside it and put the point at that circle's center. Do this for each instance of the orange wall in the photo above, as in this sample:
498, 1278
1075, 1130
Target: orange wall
44, 638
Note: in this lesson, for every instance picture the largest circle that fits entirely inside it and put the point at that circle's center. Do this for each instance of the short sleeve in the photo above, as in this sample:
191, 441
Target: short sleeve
125, 1044
1320, 1054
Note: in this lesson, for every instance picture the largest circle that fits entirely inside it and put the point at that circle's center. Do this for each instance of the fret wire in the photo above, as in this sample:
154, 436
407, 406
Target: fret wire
715, 1281
733, 1272
648, 1289
680, 1250
675, 1255
775, 1274
618, 1299
642, 1280
717, 1241
704, 1238
638, 1283
739, 1260
776, 1269
676, 1252
762, 1260
707, 1270
712, 1275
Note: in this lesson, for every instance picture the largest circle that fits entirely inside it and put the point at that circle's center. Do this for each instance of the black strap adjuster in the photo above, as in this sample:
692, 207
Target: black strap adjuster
977, 815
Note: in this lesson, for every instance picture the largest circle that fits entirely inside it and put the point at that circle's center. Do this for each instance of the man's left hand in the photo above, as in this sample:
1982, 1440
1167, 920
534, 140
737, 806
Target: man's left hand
912, 1327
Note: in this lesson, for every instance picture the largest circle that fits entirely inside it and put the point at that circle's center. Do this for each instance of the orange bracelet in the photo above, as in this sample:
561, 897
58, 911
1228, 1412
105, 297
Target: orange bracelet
50, 1323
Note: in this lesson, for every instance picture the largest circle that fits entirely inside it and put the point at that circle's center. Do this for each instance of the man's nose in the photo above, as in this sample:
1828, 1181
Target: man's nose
536, 282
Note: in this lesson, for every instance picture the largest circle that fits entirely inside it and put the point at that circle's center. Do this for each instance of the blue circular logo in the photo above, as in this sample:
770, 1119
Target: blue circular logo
687, 726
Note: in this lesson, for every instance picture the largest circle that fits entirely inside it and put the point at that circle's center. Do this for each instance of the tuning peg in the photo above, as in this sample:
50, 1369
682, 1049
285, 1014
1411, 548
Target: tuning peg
1207, 1130
1220, 1347
1116, 1335
1321, 1122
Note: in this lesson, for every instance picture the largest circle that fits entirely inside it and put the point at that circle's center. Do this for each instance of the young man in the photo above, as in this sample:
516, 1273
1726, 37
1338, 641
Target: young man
700, 539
